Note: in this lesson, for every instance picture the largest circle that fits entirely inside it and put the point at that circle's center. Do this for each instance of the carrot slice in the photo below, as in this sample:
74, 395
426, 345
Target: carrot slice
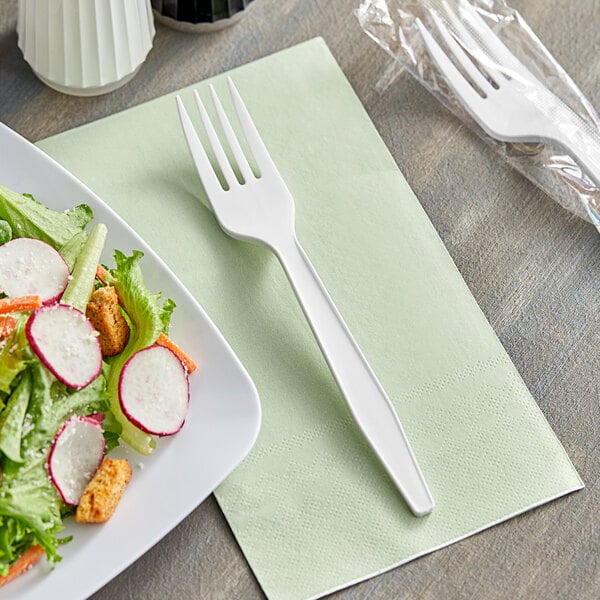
7, 325
187, 362
22, 564
19, 303
101, 273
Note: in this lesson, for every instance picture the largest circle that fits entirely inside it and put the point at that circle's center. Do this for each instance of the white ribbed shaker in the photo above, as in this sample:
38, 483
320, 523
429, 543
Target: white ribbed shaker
85, 47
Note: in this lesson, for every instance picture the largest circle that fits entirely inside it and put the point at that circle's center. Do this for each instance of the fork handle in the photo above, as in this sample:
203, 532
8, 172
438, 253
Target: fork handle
368, 402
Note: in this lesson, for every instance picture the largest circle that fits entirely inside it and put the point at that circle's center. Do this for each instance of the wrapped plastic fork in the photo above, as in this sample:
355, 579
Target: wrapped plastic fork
506, 43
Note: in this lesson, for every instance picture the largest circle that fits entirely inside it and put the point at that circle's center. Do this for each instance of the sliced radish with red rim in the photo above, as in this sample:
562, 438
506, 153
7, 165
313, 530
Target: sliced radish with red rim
67, 344
154, 391
75, 455
30, 267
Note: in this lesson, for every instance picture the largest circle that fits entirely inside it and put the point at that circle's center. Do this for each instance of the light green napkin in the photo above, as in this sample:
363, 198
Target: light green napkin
310, 506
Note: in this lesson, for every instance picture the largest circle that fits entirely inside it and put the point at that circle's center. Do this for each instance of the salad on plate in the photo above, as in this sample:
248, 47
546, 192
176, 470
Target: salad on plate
86, 364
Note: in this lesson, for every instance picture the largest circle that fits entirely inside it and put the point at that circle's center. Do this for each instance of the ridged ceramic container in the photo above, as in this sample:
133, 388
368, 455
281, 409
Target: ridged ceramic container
85, 47
198, 16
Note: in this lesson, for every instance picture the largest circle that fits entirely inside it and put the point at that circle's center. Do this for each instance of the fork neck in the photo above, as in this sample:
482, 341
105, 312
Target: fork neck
284, 245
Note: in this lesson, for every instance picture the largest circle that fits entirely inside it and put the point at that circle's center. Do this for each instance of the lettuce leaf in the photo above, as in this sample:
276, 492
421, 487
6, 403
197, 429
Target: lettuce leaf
12, 418
148, 317
14, 355
5, 232
15, 538
30, 507
29, 218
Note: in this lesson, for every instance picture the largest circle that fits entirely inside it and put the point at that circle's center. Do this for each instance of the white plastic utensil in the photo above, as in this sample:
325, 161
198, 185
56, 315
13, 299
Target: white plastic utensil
261, 210
501, 94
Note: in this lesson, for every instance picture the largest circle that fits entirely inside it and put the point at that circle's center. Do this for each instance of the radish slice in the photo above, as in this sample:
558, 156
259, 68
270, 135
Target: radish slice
75, 455
154, 391
30, 267
66, 342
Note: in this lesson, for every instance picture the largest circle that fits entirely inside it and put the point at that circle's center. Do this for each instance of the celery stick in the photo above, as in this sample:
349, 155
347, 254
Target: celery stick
79, 289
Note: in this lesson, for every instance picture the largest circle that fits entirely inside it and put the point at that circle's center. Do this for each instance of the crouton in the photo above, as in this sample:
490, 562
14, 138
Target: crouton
105, 315
104, 491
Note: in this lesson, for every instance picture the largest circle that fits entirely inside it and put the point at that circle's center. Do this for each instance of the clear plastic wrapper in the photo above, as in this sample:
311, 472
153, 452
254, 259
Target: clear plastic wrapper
567, 170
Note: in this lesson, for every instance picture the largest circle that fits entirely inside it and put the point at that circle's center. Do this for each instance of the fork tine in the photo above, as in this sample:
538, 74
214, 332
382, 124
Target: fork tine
207, 174
257, 146
460, 86
491, 45
234, 144
215, 143
461, 56
475, 47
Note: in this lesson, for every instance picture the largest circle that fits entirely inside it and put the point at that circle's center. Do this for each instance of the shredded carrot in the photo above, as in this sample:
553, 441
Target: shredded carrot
187, 362
19, 303
7, 325
101, 273
22, 564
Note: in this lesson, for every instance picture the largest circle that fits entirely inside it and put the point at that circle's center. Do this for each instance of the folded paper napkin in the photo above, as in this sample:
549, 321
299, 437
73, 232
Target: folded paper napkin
311, 506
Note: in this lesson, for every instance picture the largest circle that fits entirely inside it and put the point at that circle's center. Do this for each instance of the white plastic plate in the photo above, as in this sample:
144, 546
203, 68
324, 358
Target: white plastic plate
221, 427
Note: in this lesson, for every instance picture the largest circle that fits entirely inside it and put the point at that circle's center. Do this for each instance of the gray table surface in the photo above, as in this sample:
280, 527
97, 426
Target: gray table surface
533, 268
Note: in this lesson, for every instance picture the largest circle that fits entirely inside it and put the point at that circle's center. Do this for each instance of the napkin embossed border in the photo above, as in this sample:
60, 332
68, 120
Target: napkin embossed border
311, 507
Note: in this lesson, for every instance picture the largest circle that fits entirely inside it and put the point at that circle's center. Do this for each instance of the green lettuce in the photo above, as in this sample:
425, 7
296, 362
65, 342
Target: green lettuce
33, 403
30, 507
27, 217
148, 317
5, 232
14, 356
12, 419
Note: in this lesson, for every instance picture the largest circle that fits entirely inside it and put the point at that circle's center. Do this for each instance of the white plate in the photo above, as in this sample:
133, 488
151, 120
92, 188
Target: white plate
221, 427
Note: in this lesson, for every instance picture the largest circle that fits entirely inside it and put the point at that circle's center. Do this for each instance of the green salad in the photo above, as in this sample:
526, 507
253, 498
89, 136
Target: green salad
64, 398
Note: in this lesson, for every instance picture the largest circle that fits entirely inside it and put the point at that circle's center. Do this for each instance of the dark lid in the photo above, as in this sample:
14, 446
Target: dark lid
199, 11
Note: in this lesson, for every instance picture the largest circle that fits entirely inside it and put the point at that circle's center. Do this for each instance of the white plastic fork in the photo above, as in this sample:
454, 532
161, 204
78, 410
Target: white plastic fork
508, 101
261, 210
